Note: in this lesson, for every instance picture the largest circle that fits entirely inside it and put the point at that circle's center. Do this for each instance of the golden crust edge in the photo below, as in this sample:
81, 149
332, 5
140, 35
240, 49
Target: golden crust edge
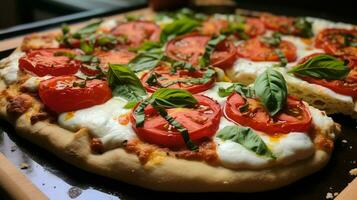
170, 174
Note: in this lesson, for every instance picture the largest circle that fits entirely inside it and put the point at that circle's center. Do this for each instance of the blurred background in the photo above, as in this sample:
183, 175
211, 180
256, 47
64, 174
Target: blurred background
17, 12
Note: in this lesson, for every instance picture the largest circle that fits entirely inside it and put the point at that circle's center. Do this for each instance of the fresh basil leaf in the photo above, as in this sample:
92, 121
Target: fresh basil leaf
178, 27
152, 80
350, 40
178, 126
247, 138
130, 104
304, 26
182, 65
282, 57
89, 29
210, 46
139, 112
322, 66
130, 18
125, 83
65, 29
244, 91
148, 46
270, 87
173, 98
106, 39
273, 41
65, 53
209, 73
145, 61
87, 46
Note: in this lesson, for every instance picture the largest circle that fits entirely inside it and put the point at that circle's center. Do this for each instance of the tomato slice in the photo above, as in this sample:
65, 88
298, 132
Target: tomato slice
43, 62
280, 24
256, 50
191, 47
109, 57
171, 79
254, 27
214, 26
294, 117
332, 40
137, 32
201, 122
348, 86
60, 95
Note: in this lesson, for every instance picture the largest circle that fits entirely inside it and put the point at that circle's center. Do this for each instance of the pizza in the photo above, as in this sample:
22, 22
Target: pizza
184, 101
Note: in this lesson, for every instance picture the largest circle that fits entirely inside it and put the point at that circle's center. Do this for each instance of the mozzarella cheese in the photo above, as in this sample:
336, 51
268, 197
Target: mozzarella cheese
213, 92
287, 148
102, 121
33, 82
10, 67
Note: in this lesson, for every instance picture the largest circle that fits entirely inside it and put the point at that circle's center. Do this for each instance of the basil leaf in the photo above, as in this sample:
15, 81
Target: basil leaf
130, 104
145, 61
89, 29
139, 112
65, 29
282, 57
184, 132
273, 41
125, 83
173, 98
210, 46
87, 58
65, 53
271, 89
147, 46
182, 65
243, 90
322, 66
350, 40
247, 138
304, 27
178, 27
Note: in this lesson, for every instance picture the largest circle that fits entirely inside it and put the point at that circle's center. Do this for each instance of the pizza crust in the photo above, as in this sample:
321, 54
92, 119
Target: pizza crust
163, 174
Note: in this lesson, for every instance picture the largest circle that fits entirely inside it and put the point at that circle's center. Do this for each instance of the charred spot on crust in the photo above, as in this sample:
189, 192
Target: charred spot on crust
38, 117
18, 105
96, 145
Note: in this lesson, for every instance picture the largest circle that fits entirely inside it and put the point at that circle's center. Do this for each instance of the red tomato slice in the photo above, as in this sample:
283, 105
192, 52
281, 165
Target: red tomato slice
256, 50
281, 24
254, 27
166, 76
191, 47
346, 87
138, 32
59, 94
44, 62
213, 26
332, 40
201, 122
109, 57
294, 117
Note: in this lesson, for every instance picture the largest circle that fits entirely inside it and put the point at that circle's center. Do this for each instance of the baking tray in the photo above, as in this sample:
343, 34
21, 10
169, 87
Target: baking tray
59, 180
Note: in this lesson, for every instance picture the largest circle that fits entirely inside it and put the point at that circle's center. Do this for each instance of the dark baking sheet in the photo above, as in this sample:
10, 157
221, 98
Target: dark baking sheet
59, 180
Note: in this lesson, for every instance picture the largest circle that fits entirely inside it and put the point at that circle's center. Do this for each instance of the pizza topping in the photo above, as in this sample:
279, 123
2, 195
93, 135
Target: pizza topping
125, 84
47, 62
39, 41
173, 118
268, 49
68, 93
179, 26
18, 105
329, 72
322, 66
136, 32
200, 49
267, 108
287, 25
245, 137
180, 75
338, 42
